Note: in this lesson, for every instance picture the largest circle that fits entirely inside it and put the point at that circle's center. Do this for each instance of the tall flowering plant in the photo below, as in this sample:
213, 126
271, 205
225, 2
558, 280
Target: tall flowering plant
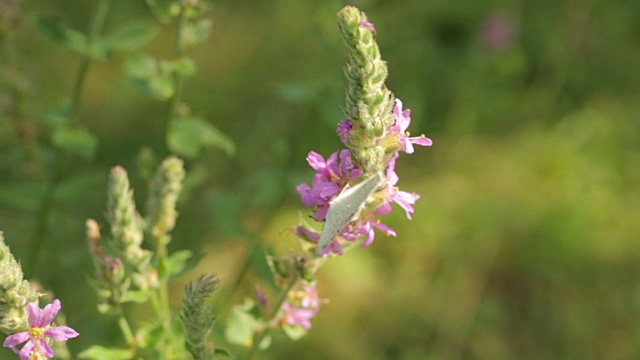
350, 189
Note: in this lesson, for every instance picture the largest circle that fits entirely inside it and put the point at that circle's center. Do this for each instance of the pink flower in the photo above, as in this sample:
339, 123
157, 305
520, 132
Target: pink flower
403, 119
368, 25
331, 177
301, 306
39, 329
294, 315
310, 299
402, 198
343, 130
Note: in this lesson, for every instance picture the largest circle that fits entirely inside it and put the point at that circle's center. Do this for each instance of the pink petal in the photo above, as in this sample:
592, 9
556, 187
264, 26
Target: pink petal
368, 25
49, 313
34, 314
61, 333
26, 350
405, 200
403, 118
421, 140
48, 351
384, 228
316, 161
15, 339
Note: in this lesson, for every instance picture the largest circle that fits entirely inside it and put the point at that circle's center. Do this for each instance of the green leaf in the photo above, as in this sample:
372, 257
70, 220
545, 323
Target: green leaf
187, 137
196, 32
97, 352
136, 296
165, 10
184, 66
222, 352
153, 79
149, 335
295, 332
54, 30
177, 261
75, 141
241, 324
129, 37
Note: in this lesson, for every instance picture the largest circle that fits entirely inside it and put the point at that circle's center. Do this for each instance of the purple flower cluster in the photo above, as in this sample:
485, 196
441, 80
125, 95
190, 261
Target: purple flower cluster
37, 346
338, 170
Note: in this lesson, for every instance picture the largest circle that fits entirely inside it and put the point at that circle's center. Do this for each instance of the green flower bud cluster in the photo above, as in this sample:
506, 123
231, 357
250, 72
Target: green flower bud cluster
163, 196
369, 103
111, 278
197, 318
15, 293
127, 226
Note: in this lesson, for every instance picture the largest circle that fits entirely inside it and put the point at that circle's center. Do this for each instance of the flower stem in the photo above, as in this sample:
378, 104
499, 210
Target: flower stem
177, 75
127, 333
96, 25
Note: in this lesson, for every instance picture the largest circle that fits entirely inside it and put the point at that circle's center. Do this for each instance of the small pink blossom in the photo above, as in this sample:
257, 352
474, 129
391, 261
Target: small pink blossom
368, 25
293, 315
402, 198
301, 306
40, 329
344, 129
403, 119
310, 300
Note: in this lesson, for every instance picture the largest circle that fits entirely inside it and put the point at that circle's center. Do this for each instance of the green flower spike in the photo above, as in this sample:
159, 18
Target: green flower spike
369, 103
15, 293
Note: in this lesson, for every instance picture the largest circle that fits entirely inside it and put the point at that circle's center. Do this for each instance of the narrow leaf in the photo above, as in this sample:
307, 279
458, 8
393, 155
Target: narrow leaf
54, 30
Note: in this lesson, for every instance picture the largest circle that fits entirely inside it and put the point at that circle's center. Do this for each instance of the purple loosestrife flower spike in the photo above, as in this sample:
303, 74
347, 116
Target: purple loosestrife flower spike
368, 102
374, 132
15, 293
40, 333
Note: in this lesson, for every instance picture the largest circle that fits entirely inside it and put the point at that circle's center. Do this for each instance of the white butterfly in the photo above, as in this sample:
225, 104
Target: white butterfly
344, 207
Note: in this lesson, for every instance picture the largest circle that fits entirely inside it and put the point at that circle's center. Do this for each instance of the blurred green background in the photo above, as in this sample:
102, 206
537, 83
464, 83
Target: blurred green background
525, 242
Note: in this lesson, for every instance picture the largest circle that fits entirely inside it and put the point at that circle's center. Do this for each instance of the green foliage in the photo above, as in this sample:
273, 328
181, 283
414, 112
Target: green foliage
55, 30
98, 352
154, 78
128, 37
75, 141
241, 325
176, 263
188, 136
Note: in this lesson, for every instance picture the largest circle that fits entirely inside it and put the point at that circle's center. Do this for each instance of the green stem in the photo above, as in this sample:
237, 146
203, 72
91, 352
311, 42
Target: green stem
127, 333
96, 25
177, 76
255, 347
